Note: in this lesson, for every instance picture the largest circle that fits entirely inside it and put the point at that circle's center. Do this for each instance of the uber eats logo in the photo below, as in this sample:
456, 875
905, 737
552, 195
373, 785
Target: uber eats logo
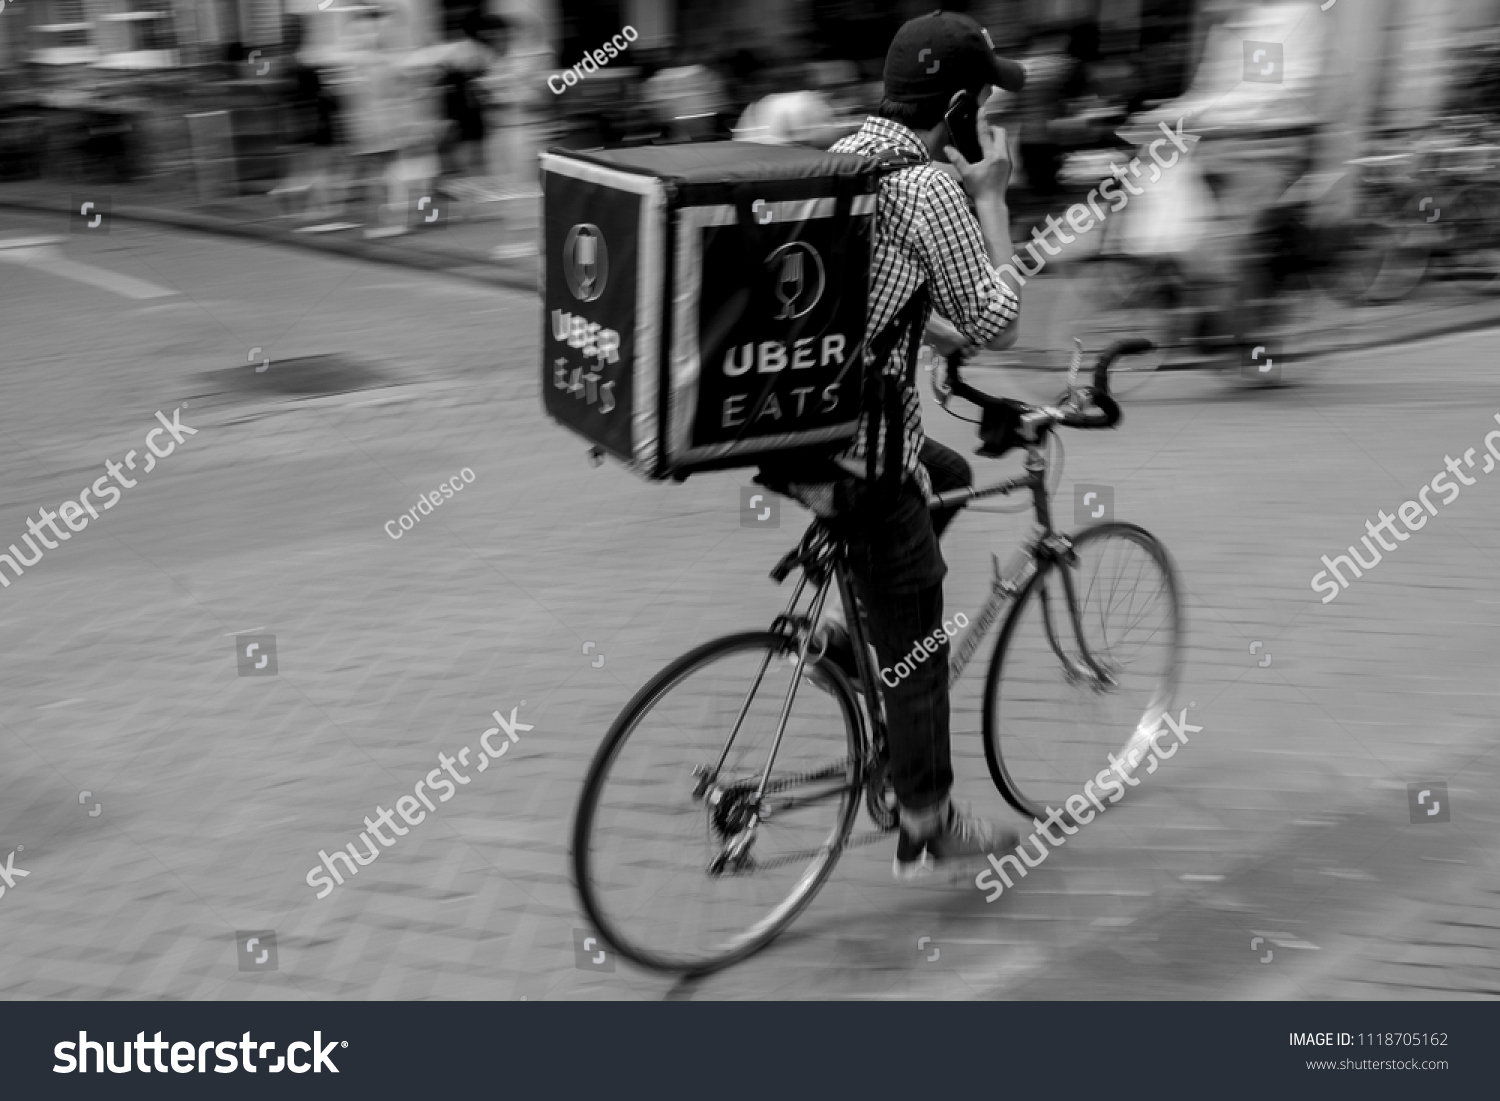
798, 271
798, 279
585, 262
780, 326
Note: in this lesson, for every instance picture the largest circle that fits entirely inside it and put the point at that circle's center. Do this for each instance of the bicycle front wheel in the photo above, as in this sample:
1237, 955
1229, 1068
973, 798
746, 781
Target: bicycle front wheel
1052, 716
673, 787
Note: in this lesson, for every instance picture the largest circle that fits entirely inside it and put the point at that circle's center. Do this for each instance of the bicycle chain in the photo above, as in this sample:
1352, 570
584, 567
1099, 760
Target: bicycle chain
829, 773
807, 854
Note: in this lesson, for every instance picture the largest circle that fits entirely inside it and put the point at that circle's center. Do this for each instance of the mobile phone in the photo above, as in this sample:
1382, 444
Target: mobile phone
962, 118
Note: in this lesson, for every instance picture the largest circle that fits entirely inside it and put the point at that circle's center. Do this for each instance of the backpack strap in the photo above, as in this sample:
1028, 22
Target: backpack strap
882, 398
882, 395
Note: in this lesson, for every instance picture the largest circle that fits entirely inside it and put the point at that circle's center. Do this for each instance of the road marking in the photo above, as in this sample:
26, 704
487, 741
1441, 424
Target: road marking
60, 703
41, 253
28, 242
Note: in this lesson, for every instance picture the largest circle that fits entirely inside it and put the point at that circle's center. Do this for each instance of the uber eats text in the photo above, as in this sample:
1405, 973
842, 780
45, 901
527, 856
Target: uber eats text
769, 357
593, 340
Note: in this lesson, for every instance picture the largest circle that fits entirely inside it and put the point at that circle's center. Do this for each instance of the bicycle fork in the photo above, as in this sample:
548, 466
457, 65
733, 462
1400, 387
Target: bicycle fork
1090, 669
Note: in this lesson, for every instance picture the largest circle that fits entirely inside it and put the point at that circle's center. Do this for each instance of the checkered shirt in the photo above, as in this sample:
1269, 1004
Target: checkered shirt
924, 233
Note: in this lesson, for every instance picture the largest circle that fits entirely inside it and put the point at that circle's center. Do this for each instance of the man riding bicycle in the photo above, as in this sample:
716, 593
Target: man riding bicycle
932, 252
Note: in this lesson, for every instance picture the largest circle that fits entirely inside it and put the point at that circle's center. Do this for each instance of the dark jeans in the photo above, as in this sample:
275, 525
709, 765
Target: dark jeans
898, 580
898, 575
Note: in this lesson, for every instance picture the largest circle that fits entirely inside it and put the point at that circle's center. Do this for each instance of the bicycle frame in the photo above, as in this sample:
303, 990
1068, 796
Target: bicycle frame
819, 555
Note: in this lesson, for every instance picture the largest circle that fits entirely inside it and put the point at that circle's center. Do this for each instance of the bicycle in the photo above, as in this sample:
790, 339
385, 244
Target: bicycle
712, 814
1460, 202
1377, 254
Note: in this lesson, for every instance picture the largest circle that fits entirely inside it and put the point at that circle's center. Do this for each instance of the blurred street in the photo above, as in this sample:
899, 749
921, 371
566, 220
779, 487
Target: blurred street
1285, 822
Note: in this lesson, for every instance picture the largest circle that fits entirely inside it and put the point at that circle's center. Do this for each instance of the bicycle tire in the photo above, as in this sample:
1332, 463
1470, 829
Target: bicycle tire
1384, 253
1025, 787
601, 912
1472, 215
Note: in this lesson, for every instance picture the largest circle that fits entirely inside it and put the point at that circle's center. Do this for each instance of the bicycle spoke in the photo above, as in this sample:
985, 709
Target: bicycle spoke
681, 864
1050, 722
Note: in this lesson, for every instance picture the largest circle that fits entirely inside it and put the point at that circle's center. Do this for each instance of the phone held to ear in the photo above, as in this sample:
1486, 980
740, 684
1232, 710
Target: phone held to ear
962, 118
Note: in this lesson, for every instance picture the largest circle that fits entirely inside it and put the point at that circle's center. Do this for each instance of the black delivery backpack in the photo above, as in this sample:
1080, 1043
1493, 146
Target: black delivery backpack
705, 304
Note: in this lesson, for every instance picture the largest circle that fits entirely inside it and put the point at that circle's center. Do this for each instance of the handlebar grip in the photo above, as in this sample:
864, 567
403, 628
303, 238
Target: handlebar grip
959, 387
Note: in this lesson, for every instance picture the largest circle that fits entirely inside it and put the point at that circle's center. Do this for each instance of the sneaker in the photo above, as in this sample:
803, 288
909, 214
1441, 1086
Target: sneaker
838, 650
960, 836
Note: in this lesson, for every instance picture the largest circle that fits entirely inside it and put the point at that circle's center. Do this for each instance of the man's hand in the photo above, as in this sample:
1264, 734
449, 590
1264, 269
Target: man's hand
991, 176
944, 338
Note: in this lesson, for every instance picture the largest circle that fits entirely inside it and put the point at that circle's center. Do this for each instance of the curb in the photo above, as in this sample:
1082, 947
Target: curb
511, 276
515, 276
1482, 319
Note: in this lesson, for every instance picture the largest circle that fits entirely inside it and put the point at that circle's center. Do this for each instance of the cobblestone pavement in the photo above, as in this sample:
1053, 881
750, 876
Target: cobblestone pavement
1286, 819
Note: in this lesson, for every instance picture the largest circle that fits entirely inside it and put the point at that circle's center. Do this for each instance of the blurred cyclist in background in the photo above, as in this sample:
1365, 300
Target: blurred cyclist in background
1258, 111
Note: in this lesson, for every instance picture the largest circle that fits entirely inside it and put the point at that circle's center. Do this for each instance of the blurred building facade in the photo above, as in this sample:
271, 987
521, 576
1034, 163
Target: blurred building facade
1391, 57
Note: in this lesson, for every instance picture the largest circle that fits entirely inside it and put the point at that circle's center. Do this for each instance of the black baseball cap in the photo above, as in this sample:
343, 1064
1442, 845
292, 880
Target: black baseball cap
936, 55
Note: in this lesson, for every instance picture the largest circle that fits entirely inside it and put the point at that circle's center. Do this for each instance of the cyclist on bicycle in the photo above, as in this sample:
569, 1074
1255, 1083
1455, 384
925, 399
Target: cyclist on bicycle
1257, 98
931, 251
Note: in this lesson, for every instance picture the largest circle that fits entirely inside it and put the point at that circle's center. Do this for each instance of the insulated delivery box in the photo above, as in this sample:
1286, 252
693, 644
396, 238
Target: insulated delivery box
705, 304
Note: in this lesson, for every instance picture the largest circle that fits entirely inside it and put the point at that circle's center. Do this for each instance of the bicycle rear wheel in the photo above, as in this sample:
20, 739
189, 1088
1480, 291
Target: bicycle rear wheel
1050, 721
658, 810
1385, 250
1471, 236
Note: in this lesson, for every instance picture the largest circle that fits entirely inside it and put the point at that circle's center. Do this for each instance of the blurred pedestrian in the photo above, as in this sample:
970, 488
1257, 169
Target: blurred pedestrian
1049, 67
686, 100
1261, 139
463, 64
308, 110
522, 104
388, 140
789, 118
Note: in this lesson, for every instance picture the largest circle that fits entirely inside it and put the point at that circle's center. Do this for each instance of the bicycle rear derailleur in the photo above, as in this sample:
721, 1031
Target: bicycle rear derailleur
733, 812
